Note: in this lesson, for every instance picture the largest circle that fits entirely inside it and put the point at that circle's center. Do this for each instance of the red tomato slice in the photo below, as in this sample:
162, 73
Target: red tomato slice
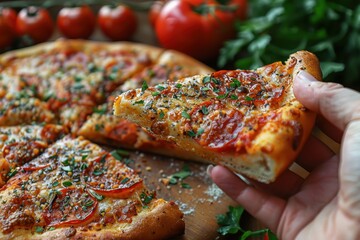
69, 207
111, 178
214, 127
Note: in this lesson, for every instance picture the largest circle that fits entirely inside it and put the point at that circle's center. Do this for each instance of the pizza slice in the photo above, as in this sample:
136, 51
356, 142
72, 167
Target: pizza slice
24, 110
20, 144
77, 190
103, 127
247, 120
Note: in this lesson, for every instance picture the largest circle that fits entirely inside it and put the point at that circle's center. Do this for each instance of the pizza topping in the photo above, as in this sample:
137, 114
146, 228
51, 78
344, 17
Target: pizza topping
216, 129
109, 177
69, 207
18, 212
19, 153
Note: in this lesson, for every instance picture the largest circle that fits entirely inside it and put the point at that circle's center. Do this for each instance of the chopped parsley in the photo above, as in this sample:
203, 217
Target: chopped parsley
67, 183
96, 195
248, 98
185, 115
155, 94
39, 229
100, 110
161, 115
180, 176
144, 86
160, 88
206, 79
12, 172
204, 110
178, 85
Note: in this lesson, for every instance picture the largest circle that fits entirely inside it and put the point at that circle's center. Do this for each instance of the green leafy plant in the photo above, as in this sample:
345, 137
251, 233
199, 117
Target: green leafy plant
275, 29
230, 224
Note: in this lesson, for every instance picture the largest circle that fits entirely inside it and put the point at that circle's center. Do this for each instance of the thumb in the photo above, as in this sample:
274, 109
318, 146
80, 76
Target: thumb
337, 104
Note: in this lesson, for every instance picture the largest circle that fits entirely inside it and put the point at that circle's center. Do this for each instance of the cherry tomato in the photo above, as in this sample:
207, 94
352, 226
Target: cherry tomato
10, 15
7, 27
154, 12
197, 28
35, 22
76, 22
117, 22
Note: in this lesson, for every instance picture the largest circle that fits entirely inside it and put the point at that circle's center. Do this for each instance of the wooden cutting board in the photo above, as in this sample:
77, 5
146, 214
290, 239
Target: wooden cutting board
200, 203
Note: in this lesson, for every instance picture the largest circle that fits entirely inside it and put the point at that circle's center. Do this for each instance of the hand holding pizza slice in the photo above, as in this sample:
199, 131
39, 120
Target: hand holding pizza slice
247, 120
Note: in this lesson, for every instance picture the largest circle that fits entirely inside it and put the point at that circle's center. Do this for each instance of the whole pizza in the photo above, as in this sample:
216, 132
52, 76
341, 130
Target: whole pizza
58, 178
55, 107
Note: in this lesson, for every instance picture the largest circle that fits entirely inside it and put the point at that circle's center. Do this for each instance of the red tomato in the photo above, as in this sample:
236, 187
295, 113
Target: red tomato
7, 27
154, 12
76, 22
117, 22
10, 15
35, 22
197, 29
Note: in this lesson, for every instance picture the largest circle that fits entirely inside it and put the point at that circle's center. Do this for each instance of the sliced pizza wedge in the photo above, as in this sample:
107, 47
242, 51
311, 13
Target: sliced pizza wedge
21, 144
103, 127
247, 120
77, 190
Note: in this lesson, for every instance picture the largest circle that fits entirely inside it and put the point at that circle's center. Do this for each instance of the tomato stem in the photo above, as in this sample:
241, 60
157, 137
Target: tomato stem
204, 9
32, 11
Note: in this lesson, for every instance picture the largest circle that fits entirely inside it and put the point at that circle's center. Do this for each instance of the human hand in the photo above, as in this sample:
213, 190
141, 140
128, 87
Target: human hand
326, 205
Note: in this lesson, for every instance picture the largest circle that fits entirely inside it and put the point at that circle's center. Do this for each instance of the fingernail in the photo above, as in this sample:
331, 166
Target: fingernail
209, 169
305, 76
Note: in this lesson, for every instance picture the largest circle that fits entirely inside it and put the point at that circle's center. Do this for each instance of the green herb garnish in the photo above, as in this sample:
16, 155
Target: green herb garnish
144, 86
184, 114
230, 224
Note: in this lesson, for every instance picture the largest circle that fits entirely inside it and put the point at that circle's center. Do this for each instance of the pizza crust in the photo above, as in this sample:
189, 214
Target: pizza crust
150, 224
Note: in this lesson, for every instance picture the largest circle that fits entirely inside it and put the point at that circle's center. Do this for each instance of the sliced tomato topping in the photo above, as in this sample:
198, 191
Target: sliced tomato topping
69, 207
31, 167
215, 126
111, 178
19, 153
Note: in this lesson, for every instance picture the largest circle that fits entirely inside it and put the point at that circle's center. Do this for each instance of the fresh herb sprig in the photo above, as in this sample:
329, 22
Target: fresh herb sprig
275, 29
230, 224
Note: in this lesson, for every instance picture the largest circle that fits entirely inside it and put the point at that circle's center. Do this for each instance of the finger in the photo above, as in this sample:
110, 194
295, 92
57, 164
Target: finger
314, 153
350, 170
259, 204
337, 104
329, 129
287, 184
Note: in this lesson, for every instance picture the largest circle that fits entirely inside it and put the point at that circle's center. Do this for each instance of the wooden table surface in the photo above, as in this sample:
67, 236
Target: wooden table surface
200, 204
